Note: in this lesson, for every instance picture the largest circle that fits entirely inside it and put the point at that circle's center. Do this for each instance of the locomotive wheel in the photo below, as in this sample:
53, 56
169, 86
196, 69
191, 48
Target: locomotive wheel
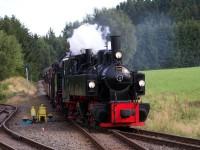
64, 109
53, 104
58, 104
92, 123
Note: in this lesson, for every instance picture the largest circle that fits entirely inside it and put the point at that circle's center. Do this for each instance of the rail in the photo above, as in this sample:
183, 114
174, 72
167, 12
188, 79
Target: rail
17, 136
162, 139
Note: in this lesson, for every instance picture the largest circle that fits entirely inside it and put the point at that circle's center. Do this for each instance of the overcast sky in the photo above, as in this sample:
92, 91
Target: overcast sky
40, 15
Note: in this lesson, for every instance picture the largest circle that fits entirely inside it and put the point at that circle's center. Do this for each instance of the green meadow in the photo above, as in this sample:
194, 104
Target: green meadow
174, 96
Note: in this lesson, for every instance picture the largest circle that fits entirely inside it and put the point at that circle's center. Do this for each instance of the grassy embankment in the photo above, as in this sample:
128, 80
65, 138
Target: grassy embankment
15, 86
174, 95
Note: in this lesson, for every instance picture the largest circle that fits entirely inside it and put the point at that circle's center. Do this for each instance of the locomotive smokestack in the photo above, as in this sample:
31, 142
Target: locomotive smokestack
115, 43
116, 48
88, 53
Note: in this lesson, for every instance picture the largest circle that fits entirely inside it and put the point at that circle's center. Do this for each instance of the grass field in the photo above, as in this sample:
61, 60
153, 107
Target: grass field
174, 96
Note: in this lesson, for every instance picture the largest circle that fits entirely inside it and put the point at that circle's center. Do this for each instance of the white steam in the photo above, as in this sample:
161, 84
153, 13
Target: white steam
88, 36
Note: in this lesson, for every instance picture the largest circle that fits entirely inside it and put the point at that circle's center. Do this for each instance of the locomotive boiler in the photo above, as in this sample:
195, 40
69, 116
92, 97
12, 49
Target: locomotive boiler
97, 89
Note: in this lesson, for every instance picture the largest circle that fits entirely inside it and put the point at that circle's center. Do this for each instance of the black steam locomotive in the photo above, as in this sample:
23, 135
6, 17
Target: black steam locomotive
97, 89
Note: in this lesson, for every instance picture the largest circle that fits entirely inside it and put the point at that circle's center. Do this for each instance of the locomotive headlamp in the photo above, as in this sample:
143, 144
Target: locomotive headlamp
91, 84
141, 83
118, 55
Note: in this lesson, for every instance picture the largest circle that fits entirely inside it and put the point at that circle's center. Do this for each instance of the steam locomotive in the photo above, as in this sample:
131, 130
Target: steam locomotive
97, 89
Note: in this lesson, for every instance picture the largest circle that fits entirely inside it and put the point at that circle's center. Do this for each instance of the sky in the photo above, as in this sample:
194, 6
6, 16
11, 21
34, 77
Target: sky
39, 15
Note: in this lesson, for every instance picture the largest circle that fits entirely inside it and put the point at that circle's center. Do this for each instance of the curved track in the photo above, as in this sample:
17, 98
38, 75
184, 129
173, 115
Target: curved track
109, 139
157, 138
10, 137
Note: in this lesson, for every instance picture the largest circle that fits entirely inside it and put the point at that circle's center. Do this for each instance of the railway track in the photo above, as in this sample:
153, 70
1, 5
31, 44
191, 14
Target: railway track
105, 139
9, 137
109, 139
157, 138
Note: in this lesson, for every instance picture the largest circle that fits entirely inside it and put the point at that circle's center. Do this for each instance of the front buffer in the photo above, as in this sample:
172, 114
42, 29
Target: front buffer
126, 114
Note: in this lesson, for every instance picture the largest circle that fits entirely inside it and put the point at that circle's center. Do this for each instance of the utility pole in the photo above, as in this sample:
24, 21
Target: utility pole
26, 68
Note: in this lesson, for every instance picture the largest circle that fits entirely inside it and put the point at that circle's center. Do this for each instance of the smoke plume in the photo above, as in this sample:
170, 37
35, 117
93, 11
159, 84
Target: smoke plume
88, 36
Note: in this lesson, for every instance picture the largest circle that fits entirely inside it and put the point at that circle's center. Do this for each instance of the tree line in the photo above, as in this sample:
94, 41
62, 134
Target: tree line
167, 32
155, 34
19, 48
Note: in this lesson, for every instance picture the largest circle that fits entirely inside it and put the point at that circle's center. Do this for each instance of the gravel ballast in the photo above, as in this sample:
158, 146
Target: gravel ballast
58, 134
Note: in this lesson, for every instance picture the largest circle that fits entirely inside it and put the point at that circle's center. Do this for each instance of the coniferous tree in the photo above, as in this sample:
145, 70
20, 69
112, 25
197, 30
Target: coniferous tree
11, 59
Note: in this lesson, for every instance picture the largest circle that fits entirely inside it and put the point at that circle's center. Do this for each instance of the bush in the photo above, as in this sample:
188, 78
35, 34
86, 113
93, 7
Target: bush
2, 96
3, 87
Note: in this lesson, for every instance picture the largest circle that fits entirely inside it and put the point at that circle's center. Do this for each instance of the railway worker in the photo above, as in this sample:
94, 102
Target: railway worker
33, 114
42, 113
